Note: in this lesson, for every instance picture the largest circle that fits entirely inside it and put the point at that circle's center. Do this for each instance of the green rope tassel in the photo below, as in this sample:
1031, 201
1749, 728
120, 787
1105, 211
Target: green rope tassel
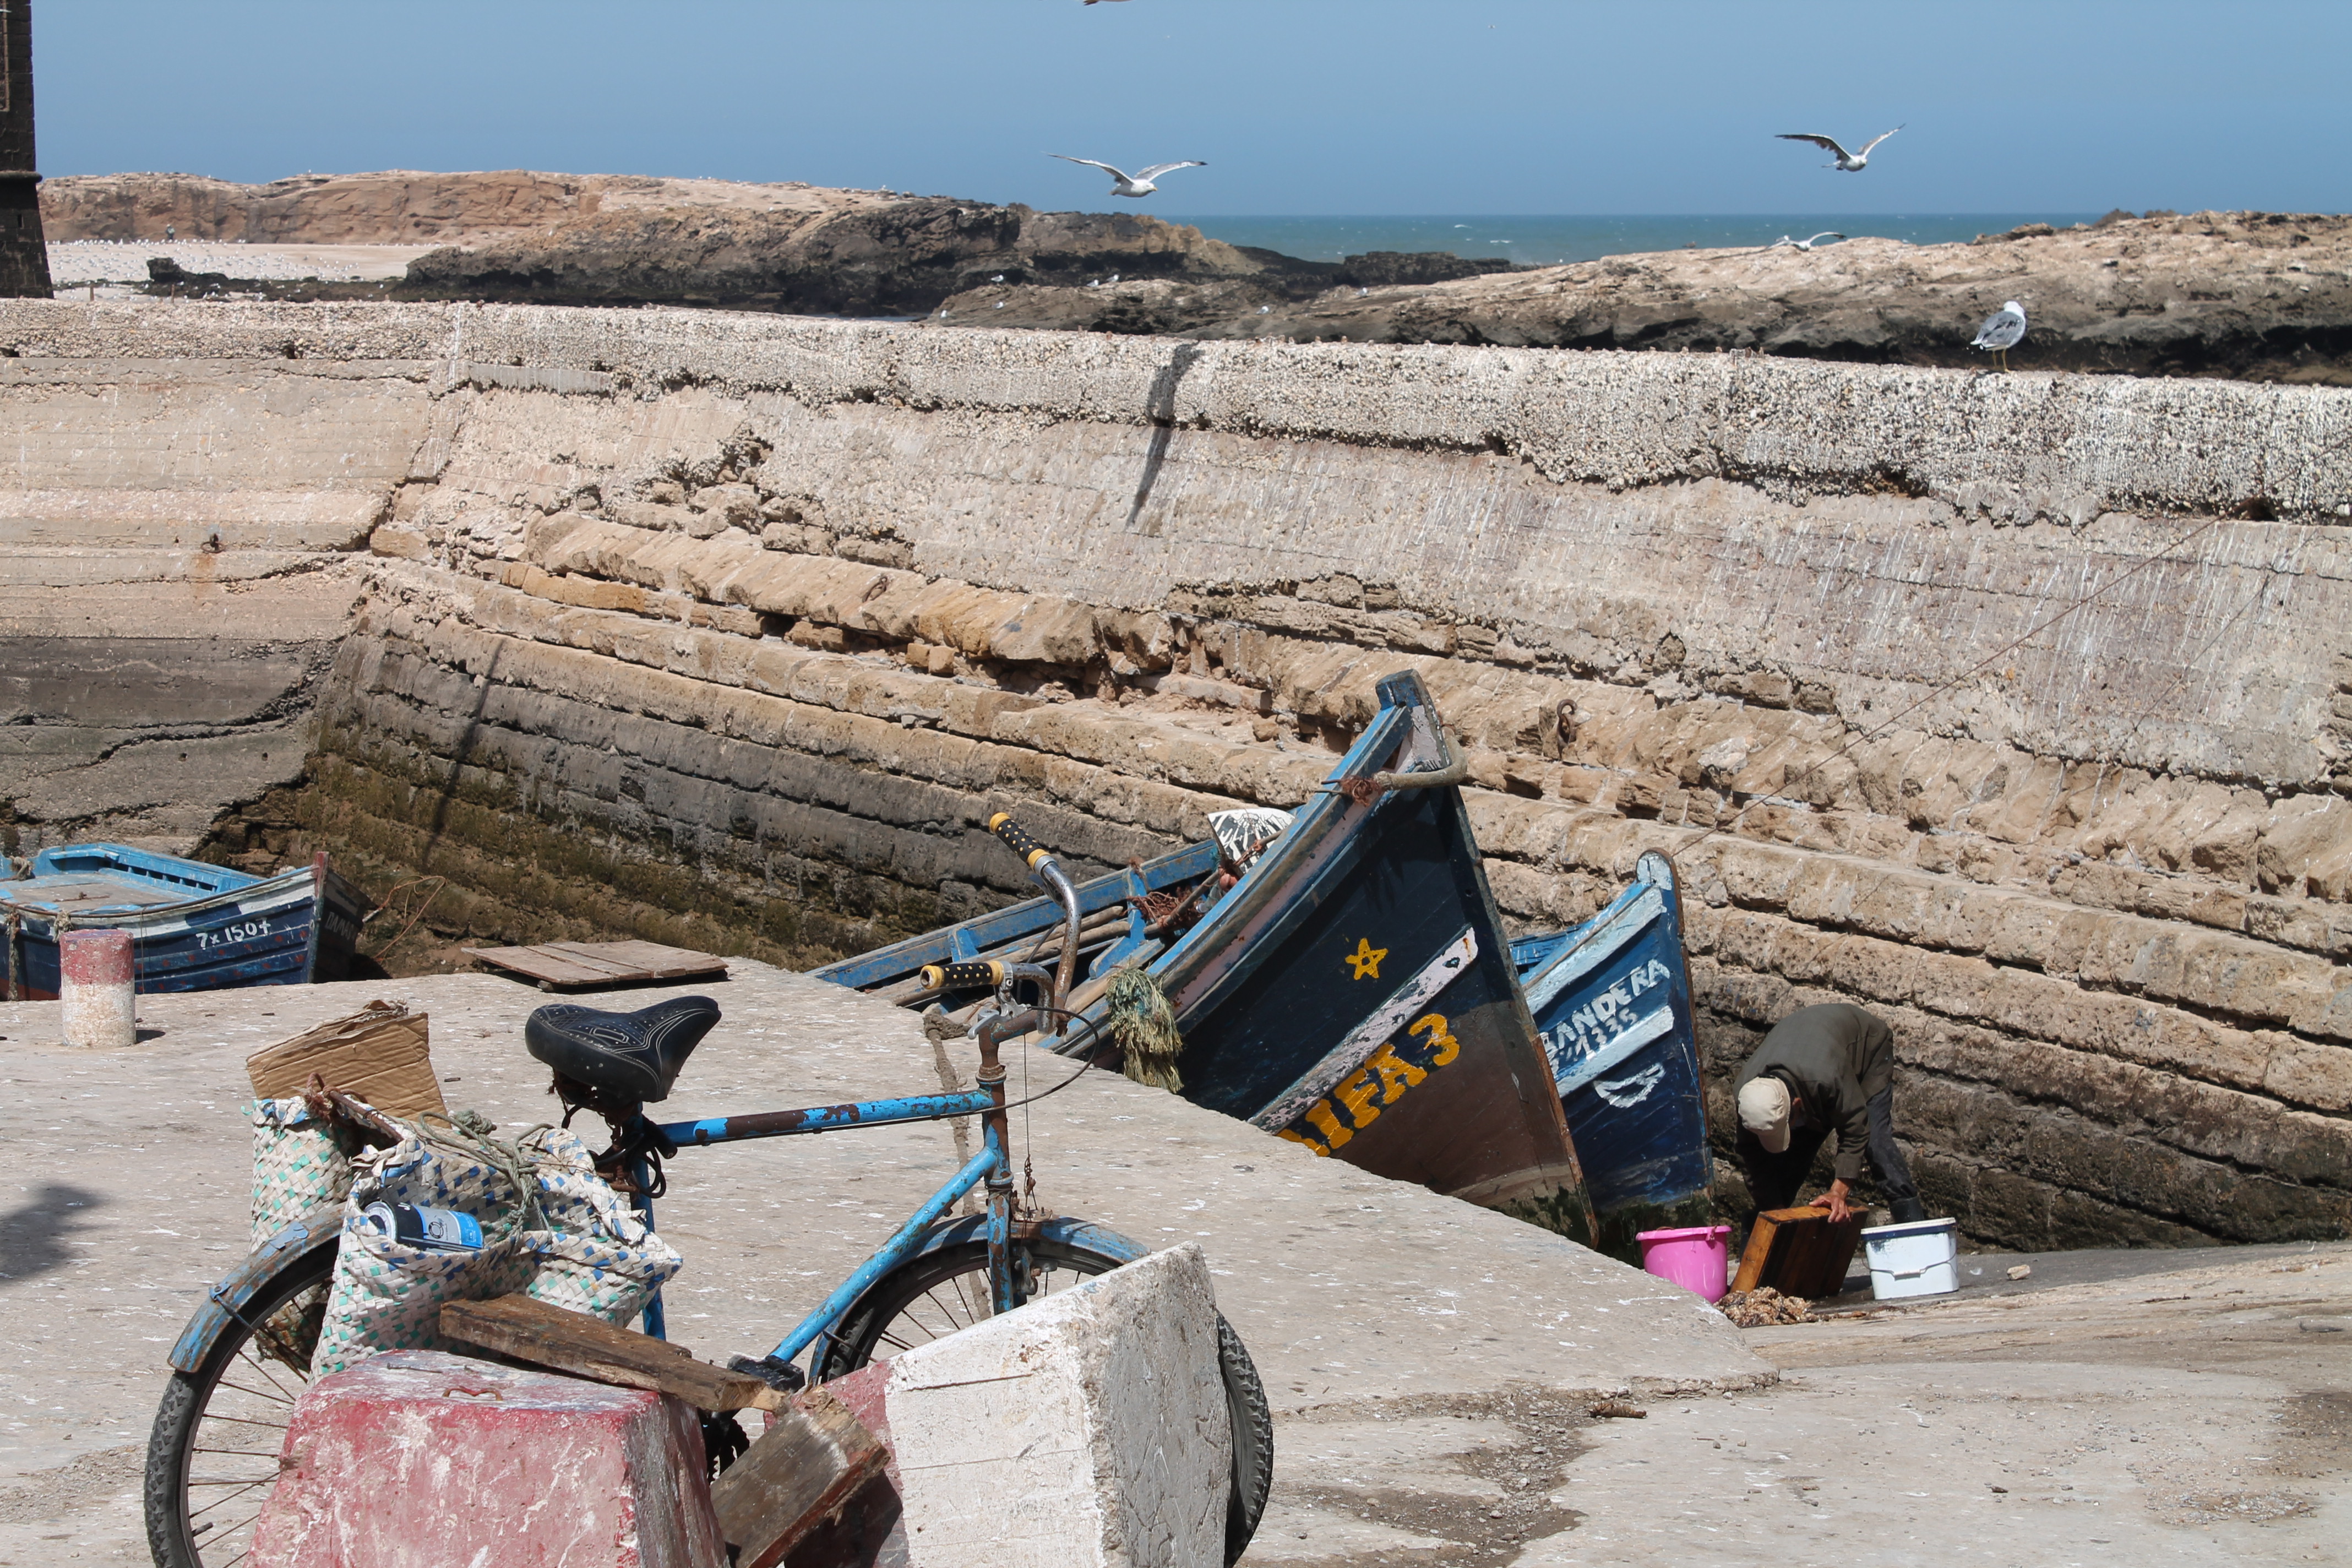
1145, 1027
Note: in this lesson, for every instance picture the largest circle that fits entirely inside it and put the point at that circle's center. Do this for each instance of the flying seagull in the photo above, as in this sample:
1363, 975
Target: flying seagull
2002, 330
1126, 185
1805, 244
1852, 162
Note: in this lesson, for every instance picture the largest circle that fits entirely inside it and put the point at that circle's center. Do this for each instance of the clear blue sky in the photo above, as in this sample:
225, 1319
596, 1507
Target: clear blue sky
1299, 106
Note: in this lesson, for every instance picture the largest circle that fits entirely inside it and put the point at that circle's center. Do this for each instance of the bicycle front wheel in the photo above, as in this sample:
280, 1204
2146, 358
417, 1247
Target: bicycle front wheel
212, 1455
945, 1288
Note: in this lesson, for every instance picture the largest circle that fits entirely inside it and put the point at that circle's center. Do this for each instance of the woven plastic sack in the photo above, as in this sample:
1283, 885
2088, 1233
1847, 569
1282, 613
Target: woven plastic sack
301, 1161
595, 1254
387, 1295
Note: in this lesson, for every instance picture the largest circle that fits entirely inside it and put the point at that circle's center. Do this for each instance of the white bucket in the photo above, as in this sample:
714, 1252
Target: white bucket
1914, 1260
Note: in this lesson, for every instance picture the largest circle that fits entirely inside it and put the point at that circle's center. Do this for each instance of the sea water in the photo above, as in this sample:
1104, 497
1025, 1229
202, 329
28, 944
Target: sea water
1548, 241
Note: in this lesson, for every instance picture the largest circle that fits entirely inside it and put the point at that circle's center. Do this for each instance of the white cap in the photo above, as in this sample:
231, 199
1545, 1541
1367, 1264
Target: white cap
1764, 1111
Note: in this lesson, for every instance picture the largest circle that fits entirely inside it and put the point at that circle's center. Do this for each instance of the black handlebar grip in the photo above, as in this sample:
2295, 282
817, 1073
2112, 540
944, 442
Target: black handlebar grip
1017, 839
963, 977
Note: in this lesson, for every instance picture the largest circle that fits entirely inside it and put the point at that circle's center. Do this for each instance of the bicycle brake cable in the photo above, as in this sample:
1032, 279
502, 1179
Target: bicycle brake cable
1089, 1026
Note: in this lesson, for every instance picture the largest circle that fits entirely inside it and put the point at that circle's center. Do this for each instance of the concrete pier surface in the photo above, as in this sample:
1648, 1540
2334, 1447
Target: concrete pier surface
1433, 1365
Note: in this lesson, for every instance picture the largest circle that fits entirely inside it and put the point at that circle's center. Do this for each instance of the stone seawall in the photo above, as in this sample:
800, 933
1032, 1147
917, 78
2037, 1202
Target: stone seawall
2017, 709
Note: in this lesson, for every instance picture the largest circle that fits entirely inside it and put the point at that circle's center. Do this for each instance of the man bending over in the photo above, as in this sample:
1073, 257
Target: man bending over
1822, 1069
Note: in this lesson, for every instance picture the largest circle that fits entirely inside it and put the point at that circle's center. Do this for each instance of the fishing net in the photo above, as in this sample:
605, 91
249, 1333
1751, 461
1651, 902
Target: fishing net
1145, 1027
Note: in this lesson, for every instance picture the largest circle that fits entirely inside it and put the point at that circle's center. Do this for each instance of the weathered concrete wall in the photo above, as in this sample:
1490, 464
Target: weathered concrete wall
174, 540
2015, 707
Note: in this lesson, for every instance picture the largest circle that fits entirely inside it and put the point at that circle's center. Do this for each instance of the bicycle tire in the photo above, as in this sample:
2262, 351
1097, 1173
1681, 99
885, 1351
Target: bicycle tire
868, 1320
174, 1534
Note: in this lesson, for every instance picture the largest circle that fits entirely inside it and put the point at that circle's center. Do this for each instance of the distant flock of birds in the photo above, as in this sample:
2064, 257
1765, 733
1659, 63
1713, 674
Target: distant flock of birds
2002, 330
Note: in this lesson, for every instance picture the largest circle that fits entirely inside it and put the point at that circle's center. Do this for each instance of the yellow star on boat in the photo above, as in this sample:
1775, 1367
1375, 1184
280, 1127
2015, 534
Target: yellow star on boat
1367, 959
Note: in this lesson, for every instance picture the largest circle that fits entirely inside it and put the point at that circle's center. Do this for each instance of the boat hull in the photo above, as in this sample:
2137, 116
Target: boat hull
1612, 1000
1354, 992
292, 929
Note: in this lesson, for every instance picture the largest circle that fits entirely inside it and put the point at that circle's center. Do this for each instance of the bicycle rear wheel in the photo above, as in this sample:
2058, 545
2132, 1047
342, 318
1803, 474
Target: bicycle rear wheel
213, 1454
945, 1288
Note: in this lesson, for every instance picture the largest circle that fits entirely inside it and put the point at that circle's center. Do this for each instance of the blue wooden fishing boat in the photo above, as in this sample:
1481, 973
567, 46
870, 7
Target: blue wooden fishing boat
1612, 999
193, 927
1350, 989
1118, 923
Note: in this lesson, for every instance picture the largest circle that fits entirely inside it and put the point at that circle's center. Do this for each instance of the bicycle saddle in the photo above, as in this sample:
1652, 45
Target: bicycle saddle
635, 1056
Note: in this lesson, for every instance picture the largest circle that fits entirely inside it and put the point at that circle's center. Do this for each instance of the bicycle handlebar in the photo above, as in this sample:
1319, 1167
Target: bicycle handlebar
1048, 872
988, 973
1018, 839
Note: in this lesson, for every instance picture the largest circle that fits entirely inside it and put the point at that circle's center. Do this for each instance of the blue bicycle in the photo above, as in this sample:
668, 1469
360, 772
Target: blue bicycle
245, 1358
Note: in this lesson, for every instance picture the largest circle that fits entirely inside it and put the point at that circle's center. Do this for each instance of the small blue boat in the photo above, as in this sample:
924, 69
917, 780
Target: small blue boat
1117, 926
193, 927
1612, 1000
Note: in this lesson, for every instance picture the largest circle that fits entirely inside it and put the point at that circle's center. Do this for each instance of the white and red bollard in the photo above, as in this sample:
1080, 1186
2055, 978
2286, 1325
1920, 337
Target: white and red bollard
96, 982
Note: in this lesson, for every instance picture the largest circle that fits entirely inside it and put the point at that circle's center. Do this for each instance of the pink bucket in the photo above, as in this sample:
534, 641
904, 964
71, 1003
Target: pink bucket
1694, 1258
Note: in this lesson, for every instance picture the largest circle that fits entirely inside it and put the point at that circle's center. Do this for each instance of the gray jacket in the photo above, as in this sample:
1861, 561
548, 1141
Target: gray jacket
1835, 1057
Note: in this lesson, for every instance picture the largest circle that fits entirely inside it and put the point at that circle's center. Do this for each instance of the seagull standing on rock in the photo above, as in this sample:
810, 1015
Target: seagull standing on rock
2002, 330
1137, 185
1852, 162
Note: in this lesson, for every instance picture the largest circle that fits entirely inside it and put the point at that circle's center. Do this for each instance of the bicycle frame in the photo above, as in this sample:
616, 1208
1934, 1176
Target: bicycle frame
990, 1166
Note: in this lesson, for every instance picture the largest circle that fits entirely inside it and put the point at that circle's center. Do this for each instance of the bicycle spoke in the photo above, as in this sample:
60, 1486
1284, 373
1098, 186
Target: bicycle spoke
274, 1399
263, 1368
933, 1297
223, 1501
244, 1421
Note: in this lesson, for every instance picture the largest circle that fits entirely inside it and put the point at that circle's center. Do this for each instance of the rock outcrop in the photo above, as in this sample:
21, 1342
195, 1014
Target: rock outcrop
2265, 296
615, 239
392, 206
898, 256
2016, 709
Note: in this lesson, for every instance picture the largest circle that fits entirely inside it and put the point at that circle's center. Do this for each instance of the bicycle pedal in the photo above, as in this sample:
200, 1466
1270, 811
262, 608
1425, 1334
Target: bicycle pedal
781, 1375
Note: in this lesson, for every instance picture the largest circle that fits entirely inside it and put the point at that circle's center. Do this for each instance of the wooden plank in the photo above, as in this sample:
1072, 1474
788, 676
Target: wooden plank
589, 957
600, 962
531, 1330
802, 1471
553, 968
653, 958
1799, 1252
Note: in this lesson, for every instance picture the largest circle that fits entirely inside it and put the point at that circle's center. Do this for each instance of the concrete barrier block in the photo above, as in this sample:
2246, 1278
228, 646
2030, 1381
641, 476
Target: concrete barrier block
1086, 1430
418, 1459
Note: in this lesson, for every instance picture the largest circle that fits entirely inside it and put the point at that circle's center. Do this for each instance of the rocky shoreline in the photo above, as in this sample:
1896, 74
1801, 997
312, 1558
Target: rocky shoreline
2251, 296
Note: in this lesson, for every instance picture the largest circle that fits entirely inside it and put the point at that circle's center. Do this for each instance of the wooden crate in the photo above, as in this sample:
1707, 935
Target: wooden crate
1799, 1252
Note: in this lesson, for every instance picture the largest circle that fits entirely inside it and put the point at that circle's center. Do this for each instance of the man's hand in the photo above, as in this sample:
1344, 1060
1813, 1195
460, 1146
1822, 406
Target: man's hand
1835, 1198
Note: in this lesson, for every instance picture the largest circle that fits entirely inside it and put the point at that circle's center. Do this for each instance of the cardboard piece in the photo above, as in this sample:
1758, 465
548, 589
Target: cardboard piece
378, 1055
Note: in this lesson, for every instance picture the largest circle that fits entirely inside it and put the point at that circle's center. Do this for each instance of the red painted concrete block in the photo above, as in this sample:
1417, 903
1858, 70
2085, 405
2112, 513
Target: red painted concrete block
418, 1459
